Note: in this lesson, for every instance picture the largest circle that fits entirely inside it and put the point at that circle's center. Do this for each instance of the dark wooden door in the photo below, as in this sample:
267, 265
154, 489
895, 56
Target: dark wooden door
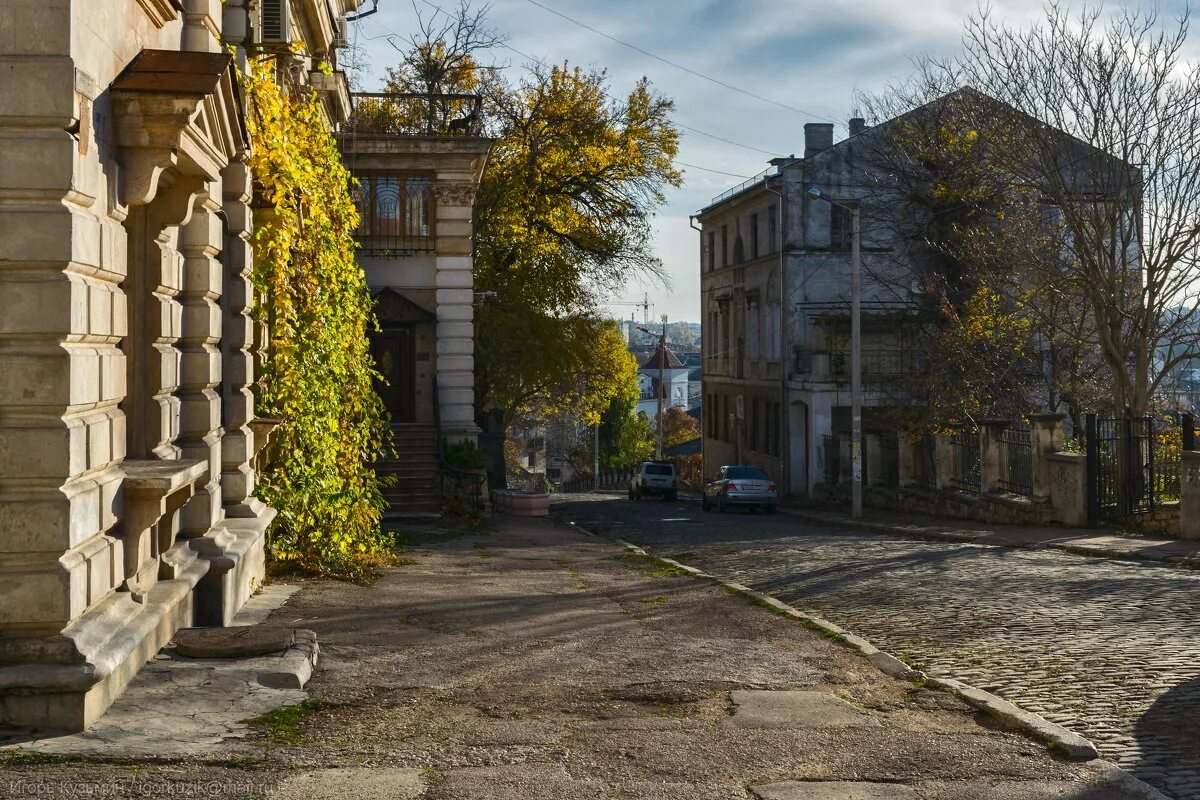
395, 353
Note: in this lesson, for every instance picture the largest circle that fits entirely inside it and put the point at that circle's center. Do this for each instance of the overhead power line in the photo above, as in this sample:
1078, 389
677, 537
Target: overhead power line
710, 169
681, 67
391, 35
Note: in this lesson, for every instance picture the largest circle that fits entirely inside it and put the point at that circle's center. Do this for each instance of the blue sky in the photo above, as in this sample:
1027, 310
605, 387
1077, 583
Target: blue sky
809, 54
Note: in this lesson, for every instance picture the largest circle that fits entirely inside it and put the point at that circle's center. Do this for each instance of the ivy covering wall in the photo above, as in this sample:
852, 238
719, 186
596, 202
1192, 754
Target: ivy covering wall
317, 374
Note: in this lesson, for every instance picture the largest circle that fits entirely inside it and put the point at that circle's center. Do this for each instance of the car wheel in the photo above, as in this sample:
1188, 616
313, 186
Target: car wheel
771, 509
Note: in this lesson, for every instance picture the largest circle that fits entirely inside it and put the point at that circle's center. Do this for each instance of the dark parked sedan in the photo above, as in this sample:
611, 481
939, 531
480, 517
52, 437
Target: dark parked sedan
740, 486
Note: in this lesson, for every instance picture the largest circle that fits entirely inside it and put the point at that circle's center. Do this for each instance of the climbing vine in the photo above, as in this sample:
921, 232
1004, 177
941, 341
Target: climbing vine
317, 374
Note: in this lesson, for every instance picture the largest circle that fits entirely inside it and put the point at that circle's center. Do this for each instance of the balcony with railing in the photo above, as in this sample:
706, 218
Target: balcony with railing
394, 213
415, 114
878, 364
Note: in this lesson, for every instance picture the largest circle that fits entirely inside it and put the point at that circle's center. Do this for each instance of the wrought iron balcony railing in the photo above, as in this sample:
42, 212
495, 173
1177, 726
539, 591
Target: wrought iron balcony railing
415, 114
877, 363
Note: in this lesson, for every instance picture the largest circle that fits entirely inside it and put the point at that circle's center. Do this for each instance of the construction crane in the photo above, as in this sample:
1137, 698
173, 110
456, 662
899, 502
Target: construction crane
645, 305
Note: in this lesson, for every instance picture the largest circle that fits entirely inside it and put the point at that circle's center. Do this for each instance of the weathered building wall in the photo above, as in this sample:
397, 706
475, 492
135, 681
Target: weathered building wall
126, 507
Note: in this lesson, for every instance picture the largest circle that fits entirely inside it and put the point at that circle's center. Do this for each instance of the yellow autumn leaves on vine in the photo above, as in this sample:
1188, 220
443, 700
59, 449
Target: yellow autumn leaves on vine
317, 374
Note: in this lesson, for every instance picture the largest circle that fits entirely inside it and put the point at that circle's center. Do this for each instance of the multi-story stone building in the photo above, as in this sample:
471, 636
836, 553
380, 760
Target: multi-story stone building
418, 160
776, 289
128, 433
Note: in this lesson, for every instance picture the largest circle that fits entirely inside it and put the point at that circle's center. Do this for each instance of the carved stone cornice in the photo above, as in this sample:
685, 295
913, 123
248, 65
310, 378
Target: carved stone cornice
161, 11
154, 100
149, 130
455, 193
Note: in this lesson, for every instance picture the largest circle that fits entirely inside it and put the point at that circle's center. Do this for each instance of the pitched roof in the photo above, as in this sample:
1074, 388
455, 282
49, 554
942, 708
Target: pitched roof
673, 361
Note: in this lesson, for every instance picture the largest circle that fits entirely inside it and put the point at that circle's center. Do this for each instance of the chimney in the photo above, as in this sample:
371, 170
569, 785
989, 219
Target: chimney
857, 125
818, 136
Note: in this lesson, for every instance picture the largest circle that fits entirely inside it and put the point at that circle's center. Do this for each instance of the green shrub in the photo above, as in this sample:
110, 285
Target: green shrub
464, 455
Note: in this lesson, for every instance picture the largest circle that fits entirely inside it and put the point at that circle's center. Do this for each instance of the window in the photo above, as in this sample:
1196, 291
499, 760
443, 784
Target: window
723, 352
724, 418
712, 250
746, 474
724, 245
841, 229
752, 328
774, 334
394, 213
754, 236
753, 426
772, 217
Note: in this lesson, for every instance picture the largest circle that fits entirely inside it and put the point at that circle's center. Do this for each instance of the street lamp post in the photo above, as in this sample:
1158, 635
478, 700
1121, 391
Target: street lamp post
856, 484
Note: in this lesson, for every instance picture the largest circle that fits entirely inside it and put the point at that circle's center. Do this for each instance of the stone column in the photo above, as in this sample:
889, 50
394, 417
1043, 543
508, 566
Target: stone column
455, 310
1189, 495
1046, 432
202, 21
906, 454
237, 341
200, 432
991, 460
943, 455
62, 375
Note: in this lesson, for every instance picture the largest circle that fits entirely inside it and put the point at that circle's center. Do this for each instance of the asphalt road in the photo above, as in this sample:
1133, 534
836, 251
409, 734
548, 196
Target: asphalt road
1110, 649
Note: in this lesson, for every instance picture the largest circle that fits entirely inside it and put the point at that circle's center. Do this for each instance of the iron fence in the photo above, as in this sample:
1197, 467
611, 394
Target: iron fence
967, 469
925, 463
415, 114
876, 363
1016, 460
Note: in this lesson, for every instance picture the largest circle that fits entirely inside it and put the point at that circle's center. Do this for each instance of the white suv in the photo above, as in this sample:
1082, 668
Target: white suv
654, 477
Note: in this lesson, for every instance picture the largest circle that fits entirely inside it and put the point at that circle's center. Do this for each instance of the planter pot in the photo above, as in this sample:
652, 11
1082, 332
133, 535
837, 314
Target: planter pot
521, 504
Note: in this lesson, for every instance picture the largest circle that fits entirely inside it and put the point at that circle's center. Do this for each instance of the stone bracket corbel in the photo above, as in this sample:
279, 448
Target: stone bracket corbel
152, 491
154, 100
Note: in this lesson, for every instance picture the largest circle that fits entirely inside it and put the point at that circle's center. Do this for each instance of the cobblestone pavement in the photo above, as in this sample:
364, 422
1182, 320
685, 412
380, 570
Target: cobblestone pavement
1110, 649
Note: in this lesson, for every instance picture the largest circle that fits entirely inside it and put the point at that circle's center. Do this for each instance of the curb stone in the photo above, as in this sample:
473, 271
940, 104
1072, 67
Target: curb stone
917, 532
1056, 737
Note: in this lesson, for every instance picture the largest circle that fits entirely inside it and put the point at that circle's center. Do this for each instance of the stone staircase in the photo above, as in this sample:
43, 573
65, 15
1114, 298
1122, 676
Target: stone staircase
414, 467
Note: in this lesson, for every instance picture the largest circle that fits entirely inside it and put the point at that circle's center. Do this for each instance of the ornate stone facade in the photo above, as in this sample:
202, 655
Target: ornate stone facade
127, 417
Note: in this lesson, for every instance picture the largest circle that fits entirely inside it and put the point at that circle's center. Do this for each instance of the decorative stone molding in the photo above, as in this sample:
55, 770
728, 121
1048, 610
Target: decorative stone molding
161, 11
154, 101
455, 194
152, 490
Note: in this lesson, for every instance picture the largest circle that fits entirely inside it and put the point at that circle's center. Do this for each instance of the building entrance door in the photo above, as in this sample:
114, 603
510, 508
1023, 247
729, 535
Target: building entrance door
395, 353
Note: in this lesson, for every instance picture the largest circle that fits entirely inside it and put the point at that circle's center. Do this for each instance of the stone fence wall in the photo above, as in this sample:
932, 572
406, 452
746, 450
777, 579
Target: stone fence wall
1057, 480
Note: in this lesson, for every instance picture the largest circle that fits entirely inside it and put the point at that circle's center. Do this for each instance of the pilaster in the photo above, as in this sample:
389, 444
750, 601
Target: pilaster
200, 243
455, 309
237, 341
1047, 431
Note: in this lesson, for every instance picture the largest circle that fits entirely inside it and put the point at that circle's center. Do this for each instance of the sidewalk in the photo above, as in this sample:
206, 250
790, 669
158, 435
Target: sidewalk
537, 663
1081, 541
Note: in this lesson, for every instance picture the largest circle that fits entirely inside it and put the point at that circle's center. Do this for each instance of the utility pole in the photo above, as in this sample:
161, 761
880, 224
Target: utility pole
856, 485
662, 365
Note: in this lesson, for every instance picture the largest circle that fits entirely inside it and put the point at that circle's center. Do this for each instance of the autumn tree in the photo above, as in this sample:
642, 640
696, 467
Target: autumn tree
626, 437
1122, 194
563, 218
679, 427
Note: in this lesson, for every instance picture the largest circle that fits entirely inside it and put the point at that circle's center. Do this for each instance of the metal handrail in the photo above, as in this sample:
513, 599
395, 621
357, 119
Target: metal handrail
416, 114
474, 481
